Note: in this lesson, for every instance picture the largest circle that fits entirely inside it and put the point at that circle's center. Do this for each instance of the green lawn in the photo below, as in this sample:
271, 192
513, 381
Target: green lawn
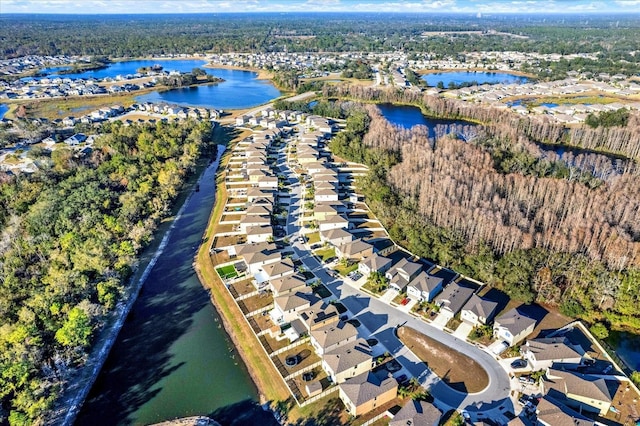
227, 272
344, 270
313, 237
325, 253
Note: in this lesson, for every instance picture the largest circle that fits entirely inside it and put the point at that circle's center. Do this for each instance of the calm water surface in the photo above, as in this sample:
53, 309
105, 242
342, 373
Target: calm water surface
481, 77
410, 116
128, 67
3, 110
172, 357
241, 89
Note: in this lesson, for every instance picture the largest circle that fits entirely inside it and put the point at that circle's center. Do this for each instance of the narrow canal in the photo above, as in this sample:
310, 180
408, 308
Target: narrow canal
172, 357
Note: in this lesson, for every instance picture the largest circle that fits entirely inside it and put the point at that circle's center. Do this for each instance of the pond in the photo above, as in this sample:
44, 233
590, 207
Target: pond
480, 77
3, 110
124, 68
240, 89
410, 116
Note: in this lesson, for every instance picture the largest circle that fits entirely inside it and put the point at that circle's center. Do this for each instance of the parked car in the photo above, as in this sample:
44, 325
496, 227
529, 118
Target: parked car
519, 363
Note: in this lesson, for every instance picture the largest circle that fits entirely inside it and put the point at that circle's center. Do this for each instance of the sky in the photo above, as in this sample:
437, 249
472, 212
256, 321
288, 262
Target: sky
235, 6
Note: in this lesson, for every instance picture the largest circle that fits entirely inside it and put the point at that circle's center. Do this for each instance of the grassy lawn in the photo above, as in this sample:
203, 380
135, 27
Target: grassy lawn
375, 288
313, 237
325, 253
227, 272
459, 371
344, 270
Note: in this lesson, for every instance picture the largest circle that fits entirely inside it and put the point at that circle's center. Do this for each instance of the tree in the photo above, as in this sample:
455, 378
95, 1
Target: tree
76, 331
599, 330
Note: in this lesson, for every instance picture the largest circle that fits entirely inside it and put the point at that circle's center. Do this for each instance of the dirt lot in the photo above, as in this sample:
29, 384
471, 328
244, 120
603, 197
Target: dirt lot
242, 287
459, 371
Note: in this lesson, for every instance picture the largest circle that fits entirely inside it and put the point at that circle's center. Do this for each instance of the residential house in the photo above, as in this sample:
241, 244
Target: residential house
478, 311
256, 255
454, 297
543, 353
76, 139
286, 308
356, 250
319, 315
553, 413
286, 284
269, 182
424, 287
258, 234
333, 222
336, 237
279, 269
348, 360
256, 193
325, 195
364, 393
383, 246
402, 273
417, 413
254, 220
513, 327
321, 211
260, 210
329, 337
580, 391
374, 263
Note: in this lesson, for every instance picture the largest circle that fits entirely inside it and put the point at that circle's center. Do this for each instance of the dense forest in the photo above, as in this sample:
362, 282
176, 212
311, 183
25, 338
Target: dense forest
70, 239
491, 202
613, 38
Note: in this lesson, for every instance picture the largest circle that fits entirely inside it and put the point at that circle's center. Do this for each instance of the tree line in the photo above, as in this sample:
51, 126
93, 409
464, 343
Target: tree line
70, 240
546, 238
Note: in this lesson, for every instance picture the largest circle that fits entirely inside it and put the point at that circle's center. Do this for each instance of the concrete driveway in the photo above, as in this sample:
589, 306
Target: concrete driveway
389, 295
463, 330
441, 320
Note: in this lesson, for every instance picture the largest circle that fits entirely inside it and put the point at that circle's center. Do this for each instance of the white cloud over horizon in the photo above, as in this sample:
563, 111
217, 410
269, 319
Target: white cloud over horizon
281, 6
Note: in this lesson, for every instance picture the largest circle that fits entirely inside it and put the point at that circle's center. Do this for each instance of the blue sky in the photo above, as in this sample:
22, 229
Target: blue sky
222, 6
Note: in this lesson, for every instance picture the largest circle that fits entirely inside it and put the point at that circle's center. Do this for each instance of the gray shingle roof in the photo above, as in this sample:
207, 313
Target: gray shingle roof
481, 307
348, 356
334, 333
367, 386
514, 321
419, 413
552, 348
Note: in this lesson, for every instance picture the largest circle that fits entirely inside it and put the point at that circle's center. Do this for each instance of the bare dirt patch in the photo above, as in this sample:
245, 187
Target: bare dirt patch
457, 370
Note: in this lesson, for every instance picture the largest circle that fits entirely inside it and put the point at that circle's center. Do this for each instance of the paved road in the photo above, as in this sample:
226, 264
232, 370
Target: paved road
380, 319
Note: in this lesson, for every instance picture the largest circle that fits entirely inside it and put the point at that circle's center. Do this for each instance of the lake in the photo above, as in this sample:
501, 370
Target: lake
3, 110
172, 357
240, 89
410, 116
124, 68
481, 77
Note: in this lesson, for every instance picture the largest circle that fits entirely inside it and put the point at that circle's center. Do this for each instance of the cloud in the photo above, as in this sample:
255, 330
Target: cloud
384, 6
